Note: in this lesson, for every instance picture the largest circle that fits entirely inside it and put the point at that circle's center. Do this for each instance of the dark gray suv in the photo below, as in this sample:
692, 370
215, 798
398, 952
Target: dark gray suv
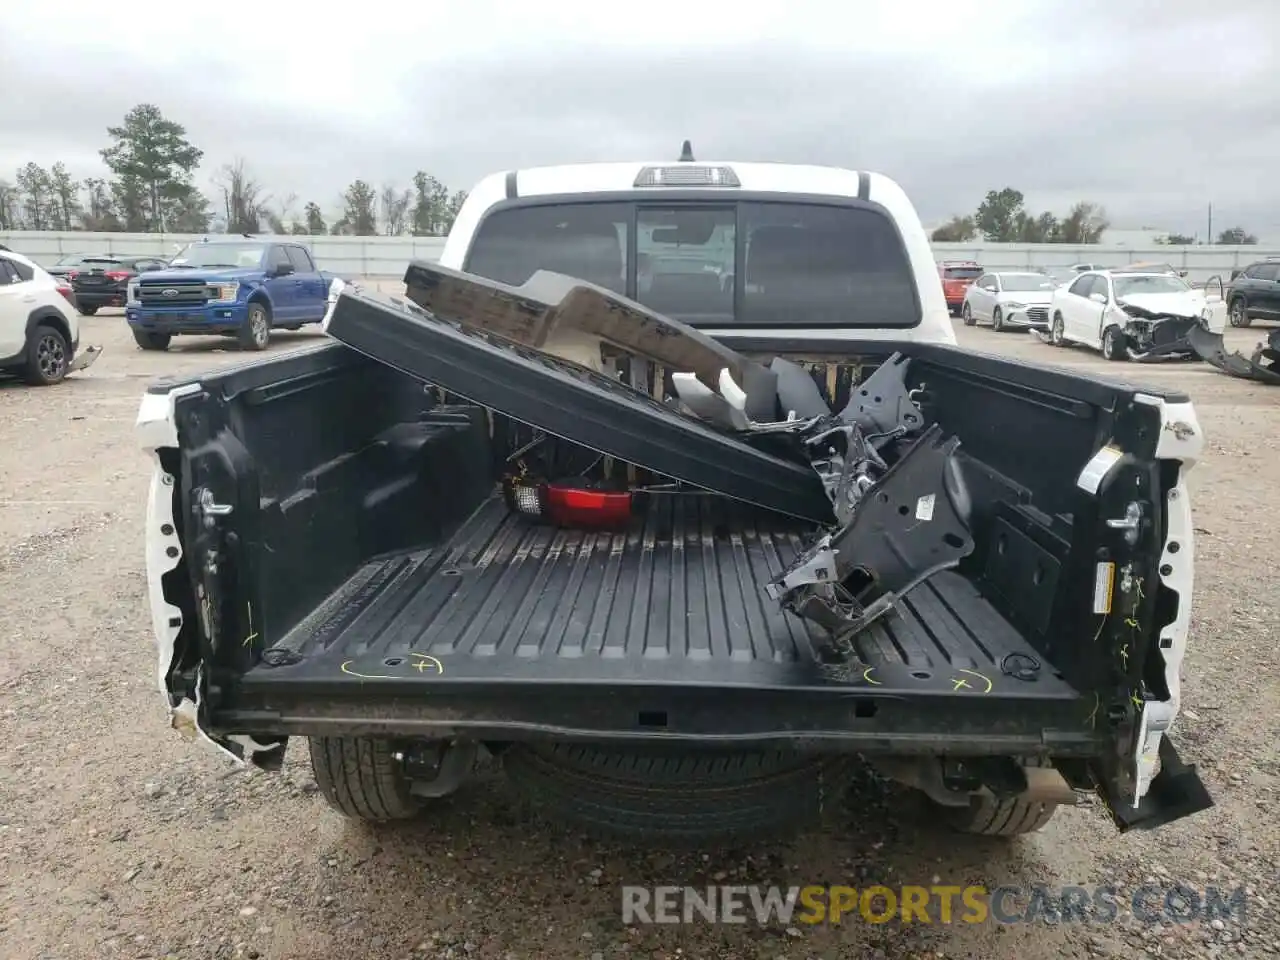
1255, 293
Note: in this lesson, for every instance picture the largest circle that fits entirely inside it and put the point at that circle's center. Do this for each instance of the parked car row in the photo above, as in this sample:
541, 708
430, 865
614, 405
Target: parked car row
242, 287
1143, 311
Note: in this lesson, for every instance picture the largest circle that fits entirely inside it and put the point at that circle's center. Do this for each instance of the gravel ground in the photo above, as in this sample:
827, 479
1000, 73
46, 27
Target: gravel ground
120, 839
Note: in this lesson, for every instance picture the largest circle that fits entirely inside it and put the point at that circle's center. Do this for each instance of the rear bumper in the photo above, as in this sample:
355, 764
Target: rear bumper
209, 318
99, 298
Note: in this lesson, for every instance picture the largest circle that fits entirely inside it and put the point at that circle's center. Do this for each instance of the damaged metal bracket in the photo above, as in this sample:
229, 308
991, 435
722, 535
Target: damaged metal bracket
882, 405
913, 523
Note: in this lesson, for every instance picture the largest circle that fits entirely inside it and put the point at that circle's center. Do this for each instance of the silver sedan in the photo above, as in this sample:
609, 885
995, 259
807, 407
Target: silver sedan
1009, 299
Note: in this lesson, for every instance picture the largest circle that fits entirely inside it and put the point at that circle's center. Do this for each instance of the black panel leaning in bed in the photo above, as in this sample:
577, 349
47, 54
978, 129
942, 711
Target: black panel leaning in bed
573, 402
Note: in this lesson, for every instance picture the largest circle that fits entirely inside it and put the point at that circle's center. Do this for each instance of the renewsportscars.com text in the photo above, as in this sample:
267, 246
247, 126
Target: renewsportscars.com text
934, 904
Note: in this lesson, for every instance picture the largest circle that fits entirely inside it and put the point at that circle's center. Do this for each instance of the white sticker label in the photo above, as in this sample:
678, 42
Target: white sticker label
924, 507
1091, 476
1103, 585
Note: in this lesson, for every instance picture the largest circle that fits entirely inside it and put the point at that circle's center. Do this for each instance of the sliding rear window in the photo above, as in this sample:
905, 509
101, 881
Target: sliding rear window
715, 264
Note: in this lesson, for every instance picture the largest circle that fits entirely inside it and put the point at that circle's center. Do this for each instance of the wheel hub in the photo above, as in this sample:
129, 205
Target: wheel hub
51, 358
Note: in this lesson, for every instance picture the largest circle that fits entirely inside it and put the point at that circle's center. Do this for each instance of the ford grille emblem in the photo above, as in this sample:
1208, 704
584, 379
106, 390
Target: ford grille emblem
169, 293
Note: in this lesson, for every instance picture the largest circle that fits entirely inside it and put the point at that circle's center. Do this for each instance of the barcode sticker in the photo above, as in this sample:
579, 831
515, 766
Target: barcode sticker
1103, 586
924, 507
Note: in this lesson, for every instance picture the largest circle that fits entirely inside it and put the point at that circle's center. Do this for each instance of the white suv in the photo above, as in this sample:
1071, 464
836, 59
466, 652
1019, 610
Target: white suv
39, 328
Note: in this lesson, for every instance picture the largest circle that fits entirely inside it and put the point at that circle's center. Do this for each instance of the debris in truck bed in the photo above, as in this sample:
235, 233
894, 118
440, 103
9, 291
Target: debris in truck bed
891, 486
568, 400
566, 317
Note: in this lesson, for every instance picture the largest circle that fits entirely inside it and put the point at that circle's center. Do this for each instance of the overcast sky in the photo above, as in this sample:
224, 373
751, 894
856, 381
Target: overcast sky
1152, 109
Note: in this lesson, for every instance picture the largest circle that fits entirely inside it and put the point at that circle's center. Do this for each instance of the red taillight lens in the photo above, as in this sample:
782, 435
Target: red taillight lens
587, 508
569, 506
117, 275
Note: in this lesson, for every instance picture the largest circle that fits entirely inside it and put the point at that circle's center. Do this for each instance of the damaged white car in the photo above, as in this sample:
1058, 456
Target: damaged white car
1133, 316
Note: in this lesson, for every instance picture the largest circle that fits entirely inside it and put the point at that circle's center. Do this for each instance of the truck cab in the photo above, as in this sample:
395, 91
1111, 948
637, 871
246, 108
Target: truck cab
720, 246
434, 538
241, 287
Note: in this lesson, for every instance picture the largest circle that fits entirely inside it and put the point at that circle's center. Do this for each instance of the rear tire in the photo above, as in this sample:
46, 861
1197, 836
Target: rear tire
1057, 331
990, 817
148, 340
1238, 312
48, 356
255, 334
359, 777
657, 793
88, 311
966, 315
997, 320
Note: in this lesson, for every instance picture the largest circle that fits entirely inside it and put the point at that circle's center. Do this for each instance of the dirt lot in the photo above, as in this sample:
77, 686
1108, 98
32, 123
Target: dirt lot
120, 839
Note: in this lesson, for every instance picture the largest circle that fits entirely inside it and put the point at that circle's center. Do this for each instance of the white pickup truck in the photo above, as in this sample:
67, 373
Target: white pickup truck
335, 551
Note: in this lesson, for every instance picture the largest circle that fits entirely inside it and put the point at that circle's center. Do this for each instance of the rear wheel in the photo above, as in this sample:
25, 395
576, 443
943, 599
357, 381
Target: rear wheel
997, 320
1057, 331
670, 794
967, 316
88, 311
48, 356
256, 332
1114, 344
1238, 313
360, 778
149, 340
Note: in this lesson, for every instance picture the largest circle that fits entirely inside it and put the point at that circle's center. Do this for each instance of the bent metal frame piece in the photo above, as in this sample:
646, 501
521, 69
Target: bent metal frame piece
568, 317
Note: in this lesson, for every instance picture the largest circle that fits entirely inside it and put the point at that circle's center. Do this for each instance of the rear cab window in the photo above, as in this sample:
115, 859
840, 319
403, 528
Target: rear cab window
961, 273
742, 263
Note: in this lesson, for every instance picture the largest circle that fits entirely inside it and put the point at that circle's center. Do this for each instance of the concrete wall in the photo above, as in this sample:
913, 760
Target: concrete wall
387, 256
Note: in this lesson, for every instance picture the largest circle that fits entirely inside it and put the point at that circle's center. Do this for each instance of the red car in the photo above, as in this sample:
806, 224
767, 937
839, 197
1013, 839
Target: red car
956, 275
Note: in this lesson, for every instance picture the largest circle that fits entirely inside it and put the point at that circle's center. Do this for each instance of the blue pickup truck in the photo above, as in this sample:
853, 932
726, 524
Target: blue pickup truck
241, 287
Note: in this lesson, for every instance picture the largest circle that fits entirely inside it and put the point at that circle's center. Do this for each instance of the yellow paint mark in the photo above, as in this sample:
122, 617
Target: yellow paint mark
974, 673
253, 634
1093, 714
426, 660
959, 683
1137, 700
866, 675
423, 661
1124, 655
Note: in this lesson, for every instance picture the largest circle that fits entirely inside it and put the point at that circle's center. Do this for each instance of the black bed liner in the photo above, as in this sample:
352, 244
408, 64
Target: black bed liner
676, 601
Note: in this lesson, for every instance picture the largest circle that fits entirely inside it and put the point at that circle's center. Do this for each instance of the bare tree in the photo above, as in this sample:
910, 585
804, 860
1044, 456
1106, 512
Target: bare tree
395, 209
9, 198
243, 200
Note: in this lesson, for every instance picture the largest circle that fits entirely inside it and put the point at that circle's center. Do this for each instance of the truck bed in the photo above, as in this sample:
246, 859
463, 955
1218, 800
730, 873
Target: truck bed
675, 602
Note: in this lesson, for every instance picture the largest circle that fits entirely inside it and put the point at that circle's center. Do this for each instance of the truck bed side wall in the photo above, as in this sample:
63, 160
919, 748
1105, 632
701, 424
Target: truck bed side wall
348, 459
